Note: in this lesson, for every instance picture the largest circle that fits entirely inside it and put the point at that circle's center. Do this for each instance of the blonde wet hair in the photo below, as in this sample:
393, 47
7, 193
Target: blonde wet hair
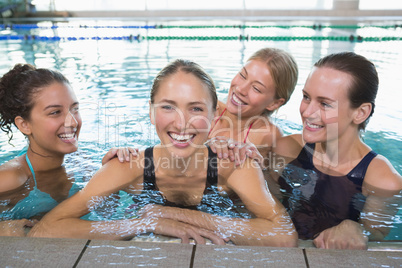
283, 69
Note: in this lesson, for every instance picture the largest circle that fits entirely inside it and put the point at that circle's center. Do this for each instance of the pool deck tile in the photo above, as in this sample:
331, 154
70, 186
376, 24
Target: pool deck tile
127, 253
236, 256
353, 258
39, 252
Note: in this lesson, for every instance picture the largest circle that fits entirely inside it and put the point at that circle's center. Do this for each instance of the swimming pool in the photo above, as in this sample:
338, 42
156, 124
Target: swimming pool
111, 65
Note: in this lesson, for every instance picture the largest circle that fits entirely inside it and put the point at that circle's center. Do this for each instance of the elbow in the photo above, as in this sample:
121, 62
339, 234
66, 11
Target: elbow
289, 240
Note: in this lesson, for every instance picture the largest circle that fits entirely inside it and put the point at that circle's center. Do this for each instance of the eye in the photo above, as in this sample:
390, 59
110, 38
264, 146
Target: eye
305, 97
197, 109
325, 105
55, 112
167, 107
242, 75
256, 89
75, 109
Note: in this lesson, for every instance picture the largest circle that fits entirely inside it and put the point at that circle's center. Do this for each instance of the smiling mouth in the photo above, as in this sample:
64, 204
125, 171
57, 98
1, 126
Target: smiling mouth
237, 101
314, 126
181, 138
67, 136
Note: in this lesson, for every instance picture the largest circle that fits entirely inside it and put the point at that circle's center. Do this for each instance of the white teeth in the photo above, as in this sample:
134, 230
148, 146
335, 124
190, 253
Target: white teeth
237, 100
67, 135
181, 138
312, 125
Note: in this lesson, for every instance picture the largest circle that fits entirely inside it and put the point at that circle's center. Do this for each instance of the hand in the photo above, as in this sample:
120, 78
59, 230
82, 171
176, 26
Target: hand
235, 151
15, 227
186, 232
172, 226
346, 235
123, 153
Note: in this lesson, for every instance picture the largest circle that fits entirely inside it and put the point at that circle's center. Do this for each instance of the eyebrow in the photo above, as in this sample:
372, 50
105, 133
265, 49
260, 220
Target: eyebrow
319, 97
191, 103
58, 105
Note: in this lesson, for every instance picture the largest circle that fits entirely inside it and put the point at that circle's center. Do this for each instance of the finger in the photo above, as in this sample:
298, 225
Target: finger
126, 154
318, 242
225, 150
185, 240
198, 239
237, 155
231, 153
29, 223
109, 155
218, 150
134, 152
211, 144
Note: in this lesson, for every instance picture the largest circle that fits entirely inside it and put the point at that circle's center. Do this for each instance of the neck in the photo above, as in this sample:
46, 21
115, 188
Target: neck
43, 162
341, 150
239, 122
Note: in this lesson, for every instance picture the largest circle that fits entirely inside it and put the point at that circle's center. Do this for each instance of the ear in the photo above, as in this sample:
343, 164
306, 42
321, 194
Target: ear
23, 125
152, 113
275, 104
362, 113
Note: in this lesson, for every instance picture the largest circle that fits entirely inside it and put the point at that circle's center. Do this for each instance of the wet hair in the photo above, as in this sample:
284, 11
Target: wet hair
188, 67
284, 71
364, 84
17, 91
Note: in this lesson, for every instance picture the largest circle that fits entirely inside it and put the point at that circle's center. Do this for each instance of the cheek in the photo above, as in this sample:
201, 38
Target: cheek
331, 117
200, 122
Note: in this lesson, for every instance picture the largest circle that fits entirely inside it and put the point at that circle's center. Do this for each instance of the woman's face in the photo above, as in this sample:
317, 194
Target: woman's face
252, 90
325, 109
182, 113
55, 121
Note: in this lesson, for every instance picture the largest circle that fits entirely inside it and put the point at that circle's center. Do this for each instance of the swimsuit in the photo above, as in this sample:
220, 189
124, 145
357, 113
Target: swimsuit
37, 203
213, 201
317, 201
248, 131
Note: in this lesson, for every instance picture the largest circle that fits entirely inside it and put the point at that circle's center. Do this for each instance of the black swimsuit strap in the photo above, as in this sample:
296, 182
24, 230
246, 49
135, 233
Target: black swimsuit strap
149, 169
356, 174
212, 171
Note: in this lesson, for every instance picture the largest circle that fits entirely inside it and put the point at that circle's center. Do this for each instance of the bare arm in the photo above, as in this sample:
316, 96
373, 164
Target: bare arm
64, 220
271, 227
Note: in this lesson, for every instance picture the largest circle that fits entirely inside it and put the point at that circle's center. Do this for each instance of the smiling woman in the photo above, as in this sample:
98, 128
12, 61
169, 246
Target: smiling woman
42, 105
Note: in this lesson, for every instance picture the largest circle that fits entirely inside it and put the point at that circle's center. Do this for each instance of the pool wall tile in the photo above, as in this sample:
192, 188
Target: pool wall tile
145, 254
236, 256
353, 258
40, 252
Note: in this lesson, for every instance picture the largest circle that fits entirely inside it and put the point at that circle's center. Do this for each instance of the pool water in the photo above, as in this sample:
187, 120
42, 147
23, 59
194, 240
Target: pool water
112, 76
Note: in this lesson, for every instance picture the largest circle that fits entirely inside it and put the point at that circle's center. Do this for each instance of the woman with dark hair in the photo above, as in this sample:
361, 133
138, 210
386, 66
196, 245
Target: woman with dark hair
336, 189
43, 106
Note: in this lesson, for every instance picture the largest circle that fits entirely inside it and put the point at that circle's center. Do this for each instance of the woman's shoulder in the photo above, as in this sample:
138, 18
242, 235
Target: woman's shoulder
289, 146
13, 174
382, 175
264, 132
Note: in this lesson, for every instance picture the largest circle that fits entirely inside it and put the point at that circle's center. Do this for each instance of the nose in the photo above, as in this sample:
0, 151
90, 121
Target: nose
70, 120
179, 120
310, 110
241, 89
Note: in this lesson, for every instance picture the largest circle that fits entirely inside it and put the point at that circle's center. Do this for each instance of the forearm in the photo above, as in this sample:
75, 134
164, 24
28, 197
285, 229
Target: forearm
257, 232
77, 228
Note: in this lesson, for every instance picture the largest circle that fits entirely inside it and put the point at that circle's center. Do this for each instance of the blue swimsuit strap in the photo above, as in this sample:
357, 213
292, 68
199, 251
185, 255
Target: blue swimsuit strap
30, 167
